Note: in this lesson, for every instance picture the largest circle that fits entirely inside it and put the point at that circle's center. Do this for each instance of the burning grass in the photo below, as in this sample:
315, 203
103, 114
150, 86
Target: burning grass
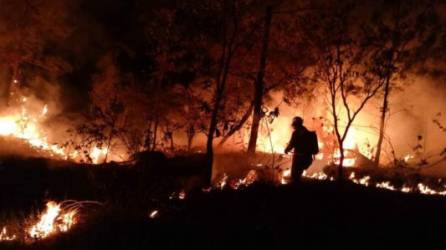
26, 123
56, 218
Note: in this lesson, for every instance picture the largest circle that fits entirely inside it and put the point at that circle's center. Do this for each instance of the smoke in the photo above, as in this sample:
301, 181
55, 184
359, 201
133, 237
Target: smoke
413, 108
419, 103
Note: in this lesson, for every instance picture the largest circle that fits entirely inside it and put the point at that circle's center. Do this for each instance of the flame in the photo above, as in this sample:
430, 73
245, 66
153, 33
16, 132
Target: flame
284, 179
235, 183
249, 179
367, 181
386, 185
4, 236
53, 220
317, 176
349, 145
98, 154
222, 182
25, 126
408, 157
44, 110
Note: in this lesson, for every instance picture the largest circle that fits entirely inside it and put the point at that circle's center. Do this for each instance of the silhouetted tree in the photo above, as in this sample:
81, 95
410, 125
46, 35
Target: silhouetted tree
342, 66
402, 33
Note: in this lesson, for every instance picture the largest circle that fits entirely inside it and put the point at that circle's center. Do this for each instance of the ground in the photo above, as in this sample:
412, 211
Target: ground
314, 215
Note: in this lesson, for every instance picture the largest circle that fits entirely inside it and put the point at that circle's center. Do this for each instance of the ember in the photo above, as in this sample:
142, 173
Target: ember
154, 214
236, 183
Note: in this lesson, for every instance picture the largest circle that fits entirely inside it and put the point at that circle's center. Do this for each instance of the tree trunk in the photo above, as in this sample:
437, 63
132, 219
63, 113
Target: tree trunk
259, 85
341, 165
172, 145
210, 139
110, 138
155, 132
383, 121
190, 137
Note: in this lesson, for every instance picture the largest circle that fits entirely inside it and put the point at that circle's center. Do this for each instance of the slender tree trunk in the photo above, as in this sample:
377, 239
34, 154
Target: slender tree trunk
155, 132
219, 91
109, 142
211, 132
382, 121
339, 138
259, 85
172, 145
148, 136
224, 64
341, 154
190, 137
341, 165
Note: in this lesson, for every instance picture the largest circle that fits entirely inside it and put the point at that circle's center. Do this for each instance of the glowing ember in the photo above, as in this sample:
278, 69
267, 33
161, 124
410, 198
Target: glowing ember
405, 189
182, 195
153, 214
235, 183
53, 220
222, 183
4, 236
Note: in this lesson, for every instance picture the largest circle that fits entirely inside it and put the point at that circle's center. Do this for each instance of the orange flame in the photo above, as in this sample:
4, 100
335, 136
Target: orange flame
5, 236
53, 220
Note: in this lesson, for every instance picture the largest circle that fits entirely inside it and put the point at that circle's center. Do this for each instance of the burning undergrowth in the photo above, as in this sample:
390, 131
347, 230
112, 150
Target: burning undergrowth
54, 219
405, 180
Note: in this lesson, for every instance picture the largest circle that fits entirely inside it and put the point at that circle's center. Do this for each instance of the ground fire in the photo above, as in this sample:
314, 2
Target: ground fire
25, 125
53, 220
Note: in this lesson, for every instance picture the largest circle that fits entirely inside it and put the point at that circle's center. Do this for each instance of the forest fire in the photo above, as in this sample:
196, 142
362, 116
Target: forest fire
240, 119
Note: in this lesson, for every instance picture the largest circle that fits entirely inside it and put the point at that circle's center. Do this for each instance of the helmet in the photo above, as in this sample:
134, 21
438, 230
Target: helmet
297, 121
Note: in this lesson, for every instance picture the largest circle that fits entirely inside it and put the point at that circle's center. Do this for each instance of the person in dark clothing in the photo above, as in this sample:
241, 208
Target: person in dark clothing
299, 143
